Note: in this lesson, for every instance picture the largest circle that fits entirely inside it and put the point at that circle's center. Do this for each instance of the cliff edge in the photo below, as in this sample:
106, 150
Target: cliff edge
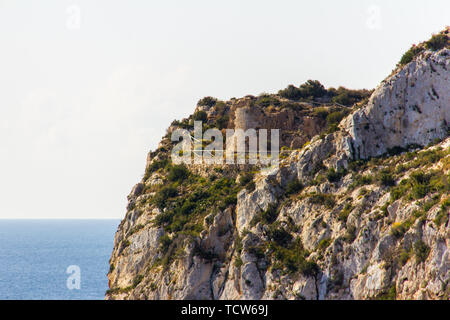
358, 207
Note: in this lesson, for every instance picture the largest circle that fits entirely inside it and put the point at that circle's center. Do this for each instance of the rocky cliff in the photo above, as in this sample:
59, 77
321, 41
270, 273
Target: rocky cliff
357, 209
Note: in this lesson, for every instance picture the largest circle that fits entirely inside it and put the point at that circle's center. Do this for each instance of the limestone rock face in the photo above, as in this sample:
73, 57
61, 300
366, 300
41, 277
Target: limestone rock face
408, 108
373, 228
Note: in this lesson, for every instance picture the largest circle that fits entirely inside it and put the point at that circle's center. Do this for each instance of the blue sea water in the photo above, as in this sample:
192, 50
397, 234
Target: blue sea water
35, 255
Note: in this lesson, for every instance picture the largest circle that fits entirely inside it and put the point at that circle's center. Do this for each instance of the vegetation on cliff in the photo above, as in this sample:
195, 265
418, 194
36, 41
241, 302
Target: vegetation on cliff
323, 225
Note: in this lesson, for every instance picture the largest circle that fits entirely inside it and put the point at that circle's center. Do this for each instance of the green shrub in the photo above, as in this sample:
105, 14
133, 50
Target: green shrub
291, 93
154, 166
400, 168
161, 197
419, 177
238, 244
135, 229
257, 251
119, 290
238, 263
176, 223
401, 190
398, 229
333, 175
343, 215
430, 204
390, 294
291, 105
178, 173
421, 251
335, 117
428, 157
333, 120
163, 218
186, 203
246, 181
309, 268
322, 199
348, 97
361, 180
439, 182
442, 216
230, 200
278, 235
323, 244
420, 186
267, 100
164, 243
200, 116
350, 235
187, 207
138, 279
321, 112
269, 215
437, 42
329, 202
293, 187
292, 258
403, 257
222, 121
126, 243
409, 55
153, 286
386, 179
112, 291
312, 89
204, 253
207, 102
246, 178
250, 186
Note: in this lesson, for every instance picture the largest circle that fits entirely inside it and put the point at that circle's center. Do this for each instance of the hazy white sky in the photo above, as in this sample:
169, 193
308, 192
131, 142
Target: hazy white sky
88, 87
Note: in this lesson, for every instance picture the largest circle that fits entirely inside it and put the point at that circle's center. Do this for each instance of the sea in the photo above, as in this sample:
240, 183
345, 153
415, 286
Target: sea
55, 259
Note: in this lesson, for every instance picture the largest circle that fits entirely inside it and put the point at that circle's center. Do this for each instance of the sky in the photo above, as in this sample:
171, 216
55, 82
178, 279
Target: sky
88, 87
